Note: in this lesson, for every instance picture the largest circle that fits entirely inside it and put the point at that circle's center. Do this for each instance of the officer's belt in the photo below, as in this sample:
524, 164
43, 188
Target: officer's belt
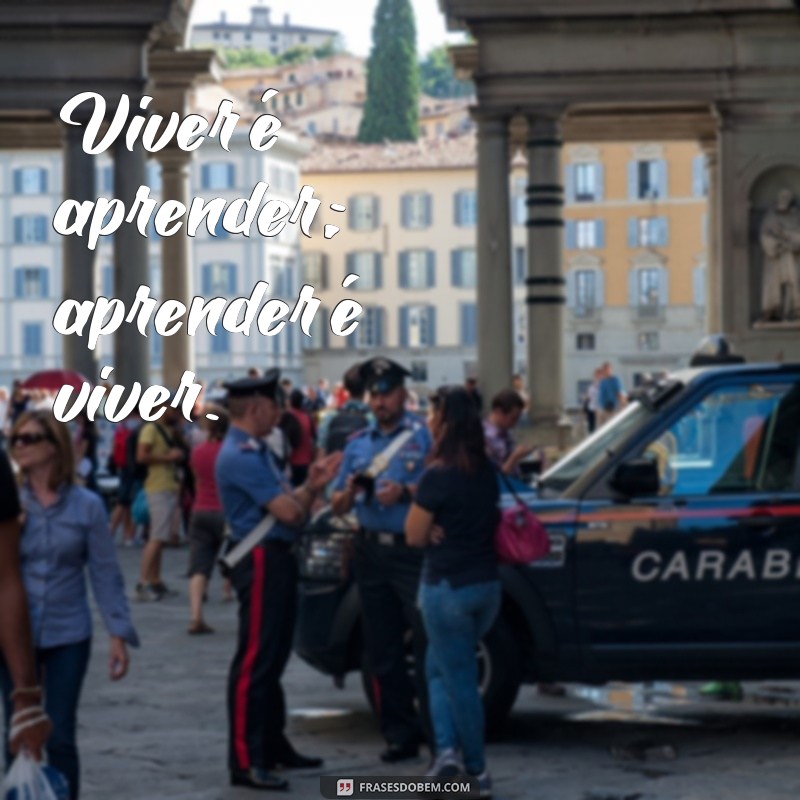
385, 538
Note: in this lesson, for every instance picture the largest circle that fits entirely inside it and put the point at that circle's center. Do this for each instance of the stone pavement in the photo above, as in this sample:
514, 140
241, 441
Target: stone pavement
161, 733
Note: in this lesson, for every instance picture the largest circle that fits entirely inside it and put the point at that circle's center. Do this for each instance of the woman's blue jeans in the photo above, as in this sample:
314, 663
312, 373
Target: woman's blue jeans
61, 671
455, 621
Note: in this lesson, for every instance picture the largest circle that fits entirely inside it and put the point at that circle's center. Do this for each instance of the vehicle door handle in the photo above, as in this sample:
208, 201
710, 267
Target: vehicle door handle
763, 523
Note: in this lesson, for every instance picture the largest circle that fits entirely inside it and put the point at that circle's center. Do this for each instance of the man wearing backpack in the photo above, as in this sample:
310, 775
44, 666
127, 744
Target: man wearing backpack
159, 448
354, 415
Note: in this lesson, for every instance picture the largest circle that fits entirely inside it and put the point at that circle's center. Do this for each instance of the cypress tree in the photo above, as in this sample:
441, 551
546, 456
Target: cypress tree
392, 107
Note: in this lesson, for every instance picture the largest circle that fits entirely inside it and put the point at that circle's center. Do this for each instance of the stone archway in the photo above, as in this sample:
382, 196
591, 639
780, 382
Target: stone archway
722, 72
52, 50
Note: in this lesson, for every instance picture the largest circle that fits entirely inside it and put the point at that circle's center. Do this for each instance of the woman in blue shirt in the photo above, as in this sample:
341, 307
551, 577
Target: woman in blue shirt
65, 531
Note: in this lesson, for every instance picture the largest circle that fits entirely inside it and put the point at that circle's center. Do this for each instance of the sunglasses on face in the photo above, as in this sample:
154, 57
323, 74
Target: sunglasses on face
26, 439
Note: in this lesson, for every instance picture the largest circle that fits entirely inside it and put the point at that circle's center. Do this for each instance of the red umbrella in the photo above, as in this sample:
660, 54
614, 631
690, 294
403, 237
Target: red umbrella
53, 379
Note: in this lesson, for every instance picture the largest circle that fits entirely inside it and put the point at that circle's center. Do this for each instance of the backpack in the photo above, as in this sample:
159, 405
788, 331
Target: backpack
137, 470
343, 425
119, 448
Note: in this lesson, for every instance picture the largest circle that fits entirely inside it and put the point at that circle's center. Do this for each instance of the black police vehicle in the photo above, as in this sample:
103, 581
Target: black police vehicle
675, 533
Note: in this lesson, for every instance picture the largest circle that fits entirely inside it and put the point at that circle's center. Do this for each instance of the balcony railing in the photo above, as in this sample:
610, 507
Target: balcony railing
649, 311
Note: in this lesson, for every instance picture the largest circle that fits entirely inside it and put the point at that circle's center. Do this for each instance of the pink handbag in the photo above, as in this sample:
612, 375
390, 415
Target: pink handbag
520, 538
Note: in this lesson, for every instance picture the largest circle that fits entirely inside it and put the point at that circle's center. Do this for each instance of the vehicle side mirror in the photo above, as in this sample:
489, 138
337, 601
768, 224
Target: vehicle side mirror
636, 478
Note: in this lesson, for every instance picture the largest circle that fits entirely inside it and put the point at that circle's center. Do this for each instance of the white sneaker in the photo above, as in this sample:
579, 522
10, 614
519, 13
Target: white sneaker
447, 764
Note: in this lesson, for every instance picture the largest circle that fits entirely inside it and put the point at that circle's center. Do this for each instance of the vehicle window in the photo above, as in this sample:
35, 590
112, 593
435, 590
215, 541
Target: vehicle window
737, 439
608, 439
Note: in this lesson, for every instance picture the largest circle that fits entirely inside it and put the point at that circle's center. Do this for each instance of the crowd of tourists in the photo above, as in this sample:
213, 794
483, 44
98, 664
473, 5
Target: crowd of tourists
242, 478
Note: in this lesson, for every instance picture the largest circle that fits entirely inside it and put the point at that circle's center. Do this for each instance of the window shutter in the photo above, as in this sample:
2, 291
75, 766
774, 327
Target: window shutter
403, 323
431, 268
44, 277
376, 212
231, 176
600, 233
431, 326
633, 232
405, 210
378, 267
205, 176
377, 325
569, 183
323, 277
633, 286
40, 229
600, 288
633, 180
571, 234
457, 208
403, 277
324, 328
17, 181
662, 231
231, 278
428, 210
19, 283
663, 287
698, 168
206, 279
455, 268
600, 182
571, 288
351, 213
351, 265
468, 324
352, 339
661, 171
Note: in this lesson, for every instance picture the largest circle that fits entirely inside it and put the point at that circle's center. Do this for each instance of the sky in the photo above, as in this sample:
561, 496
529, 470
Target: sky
353, 18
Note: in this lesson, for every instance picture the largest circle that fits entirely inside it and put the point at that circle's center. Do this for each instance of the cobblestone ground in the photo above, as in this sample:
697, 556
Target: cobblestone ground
160, 734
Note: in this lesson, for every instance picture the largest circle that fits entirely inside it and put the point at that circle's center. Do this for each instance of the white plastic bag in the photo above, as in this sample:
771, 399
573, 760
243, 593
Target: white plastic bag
26, 781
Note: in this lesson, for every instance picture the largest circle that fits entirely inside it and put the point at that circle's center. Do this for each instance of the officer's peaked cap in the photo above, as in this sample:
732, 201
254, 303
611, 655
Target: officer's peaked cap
266, 386
382, 375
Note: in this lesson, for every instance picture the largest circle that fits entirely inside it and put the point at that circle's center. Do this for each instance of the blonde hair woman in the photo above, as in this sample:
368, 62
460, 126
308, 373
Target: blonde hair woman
65, 532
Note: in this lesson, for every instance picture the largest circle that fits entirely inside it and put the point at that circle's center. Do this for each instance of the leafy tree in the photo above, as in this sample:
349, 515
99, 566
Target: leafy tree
438, 77
296, 55
392, 107
247, 58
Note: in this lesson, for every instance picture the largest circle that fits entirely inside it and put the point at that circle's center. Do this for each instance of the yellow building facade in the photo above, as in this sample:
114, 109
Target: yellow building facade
634, 257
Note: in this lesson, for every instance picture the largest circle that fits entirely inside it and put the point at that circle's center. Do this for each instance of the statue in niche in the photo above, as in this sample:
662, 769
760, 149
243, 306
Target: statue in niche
780, 243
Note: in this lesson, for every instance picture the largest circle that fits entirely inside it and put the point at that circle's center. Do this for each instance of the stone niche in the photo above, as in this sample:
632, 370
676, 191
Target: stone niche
774, 250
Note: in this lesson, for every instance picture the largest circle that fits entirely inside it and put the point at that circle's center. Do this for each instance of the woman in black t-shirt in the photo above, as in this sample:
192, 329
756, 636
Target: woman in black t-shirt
454, 517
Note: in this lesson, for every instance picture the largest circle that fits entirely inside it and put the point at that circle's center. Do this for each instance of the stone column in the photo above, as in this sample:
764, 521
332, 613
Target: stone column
131, 268
78, 260
495, 308
713, 266
176, 269
545, 280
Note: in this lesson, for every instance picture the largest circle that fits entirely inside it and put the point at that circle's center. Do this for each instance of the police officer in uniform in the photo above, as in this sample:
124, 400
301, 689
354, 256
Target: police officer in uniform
250, 486
387, 570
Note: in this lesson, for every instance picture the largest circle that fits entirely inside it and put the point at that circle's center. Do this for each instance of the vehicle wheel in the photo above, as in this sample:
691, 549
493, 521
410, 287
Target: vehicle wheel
499, 674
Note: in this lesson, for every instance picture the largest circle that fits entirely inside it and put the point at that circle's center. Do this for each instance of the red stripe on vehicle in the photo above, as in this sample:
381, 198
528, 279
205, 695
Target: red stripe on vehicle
646, 515
245, 674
